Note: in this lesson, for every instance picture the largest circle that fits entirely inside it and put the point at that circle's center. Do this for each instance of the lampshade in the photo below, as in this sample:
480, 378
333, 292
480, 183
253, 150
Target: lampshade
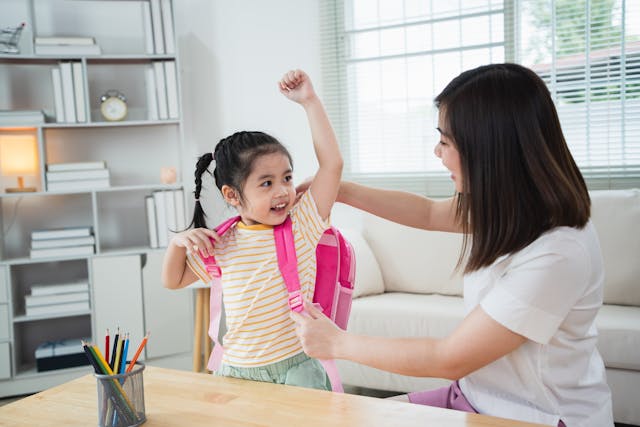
18, 157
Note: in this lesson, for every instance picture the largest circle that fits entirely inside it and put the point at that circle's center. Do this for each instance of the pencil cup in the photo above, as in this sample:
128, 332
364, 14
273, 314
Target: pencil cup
121, 398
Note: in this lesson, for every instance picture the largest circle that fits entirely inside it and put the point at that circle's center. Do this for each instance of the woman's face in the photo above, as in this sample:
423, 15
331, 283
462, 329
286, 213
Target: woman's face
448, 153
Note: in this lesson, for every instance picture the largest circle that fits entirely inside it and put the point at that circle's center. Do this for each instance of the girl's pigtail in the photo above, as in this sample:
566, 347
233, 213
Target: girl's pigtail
202, 166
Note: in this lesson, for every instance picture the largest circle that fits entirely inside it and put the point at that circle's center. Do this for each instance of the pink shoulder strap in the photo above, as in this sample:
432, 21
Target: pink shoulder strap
288, 262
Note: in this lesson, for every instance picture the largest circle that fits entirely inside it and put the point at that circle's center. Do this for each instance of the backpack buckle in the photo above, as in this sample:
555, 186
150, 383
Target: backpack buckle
295, 301
213, 270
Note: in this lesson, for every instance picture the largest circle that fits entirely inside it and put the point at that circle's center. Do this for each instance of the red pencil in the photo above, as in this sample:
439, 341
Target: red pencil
138, 351
106, 345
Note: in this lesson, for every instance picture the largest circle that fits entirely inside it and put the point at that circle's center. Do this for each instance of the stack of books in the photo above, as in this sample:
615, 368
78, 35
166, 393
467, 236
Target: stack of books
165, 215
57, 298
77, 176
21, 117
62, 242
68, 92
61, 354
66, 46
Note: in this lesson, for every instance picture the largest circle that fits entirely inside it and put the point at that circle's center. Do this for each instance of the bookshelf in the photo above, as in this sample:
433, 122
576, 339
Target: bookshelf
132, 49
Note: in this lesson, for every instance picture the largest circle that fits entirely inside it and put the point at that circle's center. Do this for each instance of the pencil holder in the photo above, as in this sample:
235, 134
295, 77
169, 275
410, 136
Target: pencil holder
121, 398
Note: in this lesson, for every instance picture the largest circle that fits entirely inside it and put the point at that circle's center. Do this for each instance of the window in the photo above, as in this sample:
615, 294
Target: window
385, 60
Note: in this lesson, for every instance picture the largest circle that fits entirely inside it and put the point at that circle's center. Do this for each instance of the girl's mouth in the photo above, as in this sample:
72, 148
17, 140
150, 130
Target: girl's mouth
279, 207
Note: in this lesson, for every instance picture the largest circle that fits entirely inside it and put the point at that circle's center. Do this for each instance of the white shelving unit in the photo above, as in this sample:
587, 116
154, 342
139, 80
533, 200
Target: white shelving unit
124, 272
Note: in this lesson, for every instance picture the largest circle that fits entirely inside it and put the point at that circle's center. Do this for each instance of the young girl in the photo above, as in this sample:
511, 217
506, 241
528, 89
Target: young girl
253, 171
533, 279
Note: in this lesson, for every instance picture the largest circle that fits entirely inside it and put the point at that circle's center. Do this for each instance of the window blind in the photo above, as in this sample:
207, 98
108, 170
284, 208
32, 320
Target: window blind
385, 60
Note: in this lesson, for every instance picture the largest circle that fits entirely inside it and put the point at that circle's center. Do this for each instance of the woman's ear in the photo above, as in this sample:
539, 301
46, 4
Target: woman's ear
230, 195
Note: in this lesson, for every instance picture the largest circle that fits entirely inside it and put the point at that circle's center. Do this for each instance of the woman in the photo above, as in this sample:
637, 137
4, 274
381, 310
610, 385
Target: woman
533, 275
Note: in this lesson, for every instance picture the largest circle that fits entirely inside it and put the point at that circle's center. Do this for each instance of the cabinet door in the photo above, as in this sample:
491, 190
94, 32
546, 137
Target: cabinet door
167, 312
4, 322
117, 297
5, 361
4, 297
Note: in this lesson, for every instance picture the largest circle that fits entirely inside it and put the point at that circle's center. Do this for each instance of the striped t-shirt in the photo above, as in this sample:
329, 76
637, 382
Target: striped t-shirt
259, 329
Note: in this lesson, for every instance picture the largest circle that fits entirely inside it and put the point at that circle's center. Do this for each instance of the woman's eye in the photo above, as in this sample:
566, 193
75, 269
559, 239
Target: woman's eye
442, 143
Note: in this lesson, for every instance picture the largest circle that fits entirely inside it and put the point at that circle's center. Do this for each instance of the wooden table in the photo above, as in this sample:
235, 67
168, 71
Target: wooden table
180, 398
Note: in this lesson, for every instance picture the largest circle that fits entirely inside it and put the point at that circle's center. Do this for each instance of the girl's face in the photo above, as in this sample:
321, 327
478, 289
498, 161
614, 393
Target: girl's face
268, 193
448, 153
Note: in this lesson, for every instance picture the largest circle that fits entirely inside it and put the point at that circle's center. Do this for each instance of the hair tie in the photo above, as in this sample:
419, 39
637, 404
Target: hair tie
197, 200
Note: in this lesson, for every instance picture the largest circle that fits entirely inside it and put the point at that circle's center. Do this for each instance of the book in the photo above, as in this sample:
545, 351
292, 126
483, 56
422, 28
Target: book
75, 166
68, 97
156, 22
63, 298
78, 90
60, 233
62, 243
62, 354
62, 252
56, 40
170, 212
59, 288
70, 307
152, 96
172, 89
181, 220
161, 218
147, 27
55, 176
17, 117
167, 26
86, 184
152, 226
161, 90
67, 49
56, 79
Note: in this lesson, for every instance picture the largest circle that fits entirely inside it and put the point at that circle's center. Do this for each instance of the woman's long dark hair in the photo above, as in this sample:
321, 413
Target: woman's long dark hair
234, 157
520, 179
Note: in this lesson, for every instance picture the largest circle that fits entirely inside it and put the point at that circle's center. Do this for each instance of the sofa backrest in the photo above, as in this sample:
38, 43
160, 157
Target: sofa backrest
412, 260
616, 216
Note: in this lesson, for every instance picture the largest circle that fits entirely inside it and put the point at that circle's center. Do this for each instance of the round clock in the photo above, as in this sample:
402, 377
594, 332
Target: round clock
113, 105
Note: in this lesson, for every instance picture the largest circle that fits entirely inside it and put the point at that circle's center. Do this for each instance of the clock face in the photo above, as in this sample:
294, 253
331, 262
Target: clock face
113, 109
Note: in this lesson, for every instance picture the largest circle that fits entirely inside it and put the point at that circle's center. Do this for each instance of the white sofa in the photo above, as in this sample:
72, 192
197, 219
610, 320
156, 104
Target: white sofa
405, 287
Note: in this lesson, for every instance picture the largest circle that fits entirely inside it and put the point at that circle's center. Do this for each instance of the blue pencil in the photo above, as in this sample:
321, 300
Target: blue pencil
123, 361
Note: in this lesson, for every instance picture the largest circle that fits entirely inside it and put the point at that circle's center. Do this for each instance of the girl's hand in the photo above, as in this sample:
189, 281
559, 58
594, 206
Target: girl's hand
296, 85
196, 239
318, 335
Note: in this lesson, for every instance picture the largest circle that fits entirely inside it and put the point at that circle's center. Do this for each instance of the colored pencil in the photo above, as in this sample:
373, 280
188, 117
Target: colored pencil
123, 360
138, 351
116, 364
106, 345
113, 351
91, 358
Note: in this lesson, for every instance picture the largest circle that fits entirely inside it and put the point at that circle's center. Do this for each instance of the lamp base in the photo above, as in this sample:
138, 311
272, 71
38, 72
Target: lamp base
20, 190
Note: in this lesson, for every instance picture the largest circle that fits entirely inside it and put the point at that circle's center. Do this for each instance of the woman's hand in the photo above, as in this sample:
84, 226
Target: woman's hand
196, 239
319, 336
296, 86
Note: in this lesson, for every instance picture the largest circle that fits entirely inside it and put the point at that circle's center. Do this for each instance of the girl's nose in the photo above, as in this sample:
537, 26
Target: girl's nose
436, 150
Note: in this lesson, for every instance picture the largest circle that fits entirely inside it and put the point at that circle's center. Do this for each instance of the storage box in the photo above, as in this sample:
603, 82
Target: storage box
52, 355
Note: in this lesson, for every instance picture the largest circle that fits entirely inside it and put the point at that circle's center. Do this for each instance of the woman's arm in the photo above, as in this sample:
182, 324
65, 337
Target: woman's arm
476, 342
404, 208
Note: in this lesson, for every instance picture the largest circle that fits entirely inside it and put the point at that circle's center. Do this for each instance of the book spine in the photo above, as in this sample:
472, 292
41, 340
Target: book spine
167, 25
57, 308
147, 28
61, 243
161, 218
156, 21
67, 92
55, 176
57, 95
59, 252
78, 86
34, 301
170, 206
60, 167
172, 89
152, 95
161, 90
88, 184
62, 288
60, 233
181, 220
151, 221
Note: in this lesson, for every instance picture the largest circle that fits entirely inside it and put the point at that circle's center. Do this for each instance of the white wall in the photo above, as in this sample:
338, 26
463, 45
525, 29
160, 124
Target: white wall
232, 54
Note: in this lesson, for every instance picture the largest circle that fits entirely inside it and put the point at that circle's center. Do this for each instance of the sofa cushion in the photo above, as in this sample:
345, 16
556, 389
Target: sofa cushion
616, 216
412, 260
368, 276
619, 336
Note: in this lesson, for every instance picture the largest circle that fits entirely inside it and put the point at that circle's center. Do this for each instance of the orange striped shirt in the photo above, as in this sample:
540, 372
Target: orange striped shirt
259, 329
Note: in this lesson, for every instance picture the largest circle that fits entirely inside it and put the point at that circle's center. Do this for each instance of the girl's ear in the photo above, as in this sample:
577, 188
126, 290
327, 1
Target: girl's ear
230, 195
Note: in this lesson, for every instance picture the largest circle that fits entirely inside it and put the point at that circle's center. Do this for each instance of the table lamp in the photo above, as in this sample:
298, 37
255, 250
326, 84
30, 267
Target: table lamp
18, 157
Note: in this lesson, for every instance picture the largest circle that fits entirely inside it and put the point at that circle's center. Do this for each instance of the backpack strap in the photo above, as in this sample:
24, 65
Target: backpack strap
215, 301
288, 264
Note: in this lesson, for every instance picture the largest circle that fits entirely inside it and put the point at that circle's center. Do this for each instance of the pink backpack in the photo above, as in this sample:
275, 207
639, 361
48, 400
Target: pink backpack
335, 277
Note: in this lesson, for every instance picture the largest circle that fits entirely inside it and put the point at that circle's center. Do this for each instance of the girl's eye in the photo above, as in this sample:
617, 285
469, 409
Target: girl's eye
288, 178
266, 184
